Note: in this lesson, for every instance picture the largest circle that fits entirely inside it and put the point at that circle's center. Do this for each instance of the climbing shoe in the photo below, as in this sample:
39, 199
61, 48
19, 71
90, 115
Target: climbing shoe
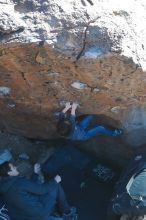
72, 215
117, 132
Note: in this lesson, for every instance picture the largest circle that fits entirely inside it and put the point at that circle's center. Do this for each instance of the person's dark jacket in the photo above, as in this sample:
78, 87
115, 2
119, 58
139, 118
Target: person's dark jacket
23, 198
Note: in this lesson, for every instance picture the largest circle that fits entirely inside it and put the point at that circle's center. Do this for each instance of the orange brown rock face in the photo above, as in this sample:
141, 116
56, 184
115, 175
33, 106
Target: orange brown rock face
39, 80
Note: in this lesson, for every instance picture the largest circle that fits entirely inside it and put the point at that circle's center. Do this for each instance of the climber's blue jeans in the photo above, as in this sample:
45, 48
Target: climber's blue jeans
99, 129
55, 196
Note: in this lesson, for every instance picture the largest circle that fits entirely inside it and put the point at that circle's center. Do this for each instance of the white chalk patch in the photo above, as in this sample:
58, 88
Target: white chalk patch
96, 90
53, 73
116, 109
5, 90
93, 52
79, 85
62, 103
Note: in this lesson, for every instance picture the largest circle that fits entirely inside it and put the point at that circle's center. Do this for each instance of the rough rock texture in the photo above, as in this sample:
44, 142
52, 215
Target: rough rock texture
88, 51
126, 217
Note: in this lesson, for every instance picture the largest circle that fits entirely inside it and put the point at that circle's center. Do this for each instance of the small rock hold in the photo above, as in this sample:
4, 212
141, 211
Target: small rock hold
11, 105
62, 103
40, 59
138, 157
116, 109
52, 73
79, 85
96, 90
4, 90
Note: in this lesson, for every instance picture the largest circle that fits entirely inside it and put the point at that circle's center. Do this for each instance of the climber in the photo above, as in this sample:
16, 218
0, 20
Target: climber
69, 128
26, 199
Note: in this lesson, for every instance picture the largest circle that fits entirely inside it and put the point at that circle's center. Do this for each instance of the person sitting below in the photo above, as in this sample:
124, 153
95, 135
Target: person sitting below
69, 128
29, 200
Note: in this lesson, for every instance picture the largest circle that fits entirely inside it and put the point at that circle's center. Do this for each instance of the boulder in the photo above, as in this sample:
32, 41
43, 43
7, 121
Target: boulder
88, 51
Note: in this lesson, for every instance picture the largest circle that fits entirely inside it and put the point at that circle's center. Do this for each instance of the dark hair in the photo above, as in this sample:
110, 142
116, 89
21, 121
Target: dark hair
4, 169
64, 127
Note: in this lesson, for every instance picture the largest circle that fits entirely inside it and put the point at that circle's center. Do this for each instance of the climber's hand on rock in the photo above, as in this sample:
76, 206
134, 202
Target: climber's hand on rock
57, 178
68, 105
37, 168
75, 105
